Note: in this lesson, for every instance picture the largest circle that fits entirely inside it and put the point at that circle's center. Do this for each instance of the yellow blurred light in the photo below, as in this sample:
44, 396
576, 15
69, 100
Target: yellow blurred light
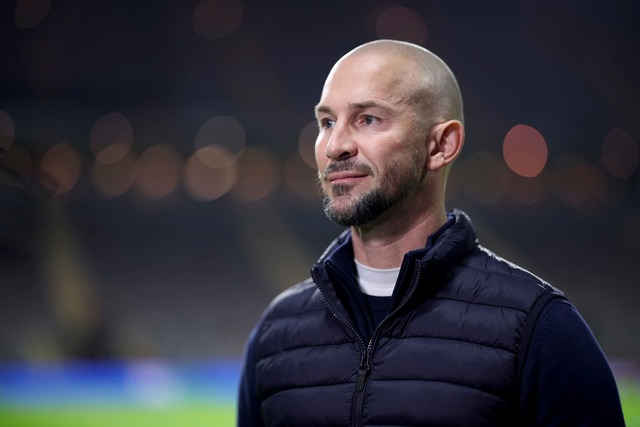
300, 179
216, 156
205, 183
113, 153
216, 19
157, 172
29, 13
63, 163
620, 154
401, 23
525, 151
307, 143
114, 179
111, 138
258, 175
7, 132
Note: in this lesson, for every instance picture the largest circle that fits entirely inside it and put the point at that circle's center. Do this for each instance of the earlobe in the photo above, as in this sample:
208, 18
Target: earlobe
446, 144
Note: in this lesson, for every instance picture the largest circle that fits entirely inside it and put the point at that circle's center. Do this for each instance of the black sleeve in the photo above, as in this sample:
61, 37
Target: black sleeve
566, 379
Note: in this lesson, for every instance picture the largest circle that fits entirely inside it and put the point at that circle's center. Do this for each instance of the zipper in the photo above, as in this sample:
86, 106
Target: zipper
362, 368
365, 360
365, 366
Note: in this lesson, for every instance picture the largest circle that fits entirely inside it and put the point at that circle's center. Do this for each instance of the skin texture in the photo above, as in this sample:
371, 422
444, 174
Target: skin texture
390, 124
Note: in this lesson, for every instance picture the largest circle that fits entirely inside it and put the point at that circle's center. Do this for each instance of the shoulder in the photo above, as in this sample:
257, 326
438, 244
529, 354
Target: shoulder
296, 300
491, 279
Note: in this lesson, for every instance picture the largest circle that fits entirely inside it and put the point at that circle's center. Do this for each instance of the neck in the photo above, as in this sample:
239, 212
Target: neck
384, 244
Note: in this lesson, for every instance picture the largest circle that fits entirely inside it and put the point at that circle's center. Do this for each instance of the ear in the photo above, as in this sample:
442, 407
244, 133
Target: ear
445, 144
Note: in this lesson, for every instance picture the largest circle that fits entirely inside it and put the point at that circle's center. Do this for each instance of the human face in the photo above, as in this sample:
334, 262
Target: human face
370, 148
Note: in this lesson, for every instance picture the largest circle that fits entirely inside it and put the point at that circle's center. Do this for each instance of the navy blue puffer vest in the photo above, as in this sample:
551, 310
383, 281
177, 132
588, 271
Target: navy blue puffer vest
448, 354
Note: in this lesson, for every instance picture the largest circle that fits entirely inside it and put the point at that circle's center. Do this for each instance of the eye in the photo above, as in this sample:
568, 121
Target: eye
327, 123
368, 120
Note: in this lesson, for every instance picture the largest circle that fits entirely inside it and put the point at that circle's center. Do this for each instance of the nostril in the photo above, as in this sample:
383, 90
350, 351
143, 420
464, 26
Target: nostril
344, 156
338, 155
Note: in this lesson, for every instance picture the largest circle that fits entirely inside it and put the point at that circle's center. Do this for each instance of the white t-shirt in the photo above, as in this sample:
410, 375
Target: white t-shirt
376, 282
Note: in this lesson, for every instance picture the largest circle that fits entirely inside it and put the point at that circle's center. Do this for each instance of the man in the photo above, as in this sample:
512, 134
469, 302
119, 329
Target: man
406, 320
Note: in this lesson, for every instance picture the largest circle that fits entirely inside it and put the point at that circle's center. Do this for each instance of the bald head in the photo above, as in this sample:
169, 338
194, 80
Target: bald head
419, 76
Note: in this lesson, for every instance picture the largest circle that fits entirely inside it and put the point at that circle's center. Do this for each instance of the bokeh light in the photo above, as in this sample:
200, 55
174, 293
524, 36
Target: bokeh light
485, 178
7, 132
114, 179
220, 134
111, 138
205, 183
62, 163
258, 175
401, 23
307, 143
620, 154
215, 19
525, 150
157, 172
29, 13
300, 179
577, 183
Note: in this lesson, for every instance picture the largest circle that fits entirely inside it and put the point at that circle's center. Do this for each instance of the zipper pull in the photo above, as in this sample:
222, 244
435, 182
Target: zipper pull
363, 370
362, 376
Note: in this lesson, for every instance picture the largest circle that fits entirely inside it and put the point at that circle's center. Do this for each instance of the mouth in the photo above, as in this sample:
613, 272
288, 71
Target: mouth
346, 174
345, 177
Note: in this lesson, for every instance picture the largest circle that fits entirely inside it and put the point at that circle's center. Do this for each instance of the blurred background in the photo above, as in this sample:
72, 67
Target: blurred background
157, 180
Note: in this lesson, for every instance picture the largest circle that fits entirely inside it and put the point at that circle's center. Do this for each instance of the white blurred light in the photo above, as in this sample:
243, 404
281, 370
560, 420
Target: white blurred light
111, 138
154, 384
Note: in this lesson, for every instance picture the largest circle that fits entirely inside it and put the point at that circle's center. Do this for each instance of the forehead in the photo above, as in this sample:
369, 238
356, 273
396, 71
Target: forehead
389, 79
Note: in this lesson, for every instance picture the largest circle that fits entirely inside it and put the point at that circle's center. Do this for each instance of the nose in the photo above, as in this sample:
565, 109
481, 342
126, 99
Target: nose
341, 144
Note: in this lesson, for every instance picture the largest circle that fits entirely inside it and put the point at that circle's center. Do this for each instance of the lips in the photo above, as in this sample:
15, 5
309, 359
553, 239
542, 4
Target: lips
345, 173
344, 177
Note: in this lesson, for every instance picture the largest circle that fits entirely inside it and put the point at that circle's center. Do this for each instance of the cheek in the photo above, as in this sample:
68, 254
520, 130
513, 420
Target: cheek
320, 153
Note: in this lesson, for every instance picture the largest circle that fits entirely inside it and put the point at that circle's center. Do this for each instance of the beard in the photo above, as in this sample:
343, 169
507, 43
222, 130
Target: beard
396, 184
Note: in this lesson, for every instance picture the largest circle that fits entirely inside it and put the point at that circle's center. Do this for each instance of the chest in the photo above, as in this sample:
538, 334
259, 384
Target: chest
434, 365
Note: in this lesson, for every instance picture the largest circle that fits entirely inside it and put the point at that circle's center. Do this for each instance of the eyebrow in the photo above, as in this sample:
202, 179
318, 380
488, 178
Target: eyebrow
353, 106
